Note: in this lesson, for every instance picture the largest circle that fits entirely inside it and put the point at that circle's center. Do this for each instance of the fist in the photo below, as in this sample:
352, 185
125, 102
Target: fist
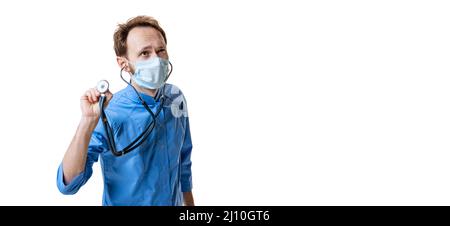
89, 103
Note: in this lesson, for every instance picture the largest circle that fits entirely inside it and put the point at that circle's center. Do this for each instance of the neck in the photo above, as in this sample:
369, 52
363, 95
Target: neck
150, 92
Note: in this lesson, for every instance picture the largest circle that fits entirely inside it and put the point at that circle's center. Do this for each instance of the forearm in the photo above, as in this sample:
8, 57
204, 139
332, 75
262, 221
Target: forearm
74, 159
188, 199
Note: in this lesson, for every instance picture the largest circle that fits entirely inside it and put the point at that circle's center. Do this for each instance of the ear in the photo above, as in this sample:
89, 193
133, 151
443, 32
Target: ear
123, 63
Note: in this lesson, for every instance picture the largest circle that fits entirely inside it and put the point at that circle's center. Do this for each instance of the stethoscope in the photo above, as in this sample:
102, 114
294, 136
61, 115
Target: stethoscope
103, 87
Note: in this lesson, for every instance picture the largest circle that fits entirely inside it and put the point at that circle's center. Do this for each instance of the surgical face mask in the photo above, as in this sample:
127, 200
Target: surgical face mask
152, 73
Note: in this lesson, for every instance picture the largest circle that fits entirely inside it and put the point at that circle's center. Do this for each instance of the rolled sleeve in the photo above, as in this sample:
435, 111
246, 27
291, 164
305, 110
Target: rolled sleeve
96, 146
75, 184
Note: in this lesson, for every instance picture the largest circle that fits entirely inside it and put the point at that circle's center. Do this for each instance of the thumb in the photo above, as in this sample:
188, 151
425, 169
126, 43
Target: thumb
109, 96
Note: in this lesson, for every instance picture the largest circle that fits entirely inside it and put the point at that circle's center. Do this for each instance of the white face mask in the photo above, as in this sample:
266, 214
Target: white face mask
152, 73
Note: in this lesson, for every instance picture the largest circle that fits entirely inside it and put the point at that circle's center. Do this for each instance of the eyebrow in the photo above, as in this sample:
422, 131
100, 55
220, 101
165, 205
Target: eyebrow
144, 48
149, 47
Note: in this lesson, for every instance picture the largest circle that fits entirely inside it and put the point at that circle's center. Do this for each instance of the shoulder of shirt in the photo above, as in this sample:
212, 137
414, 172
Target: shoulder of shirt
172, 91
118, 96
176, 100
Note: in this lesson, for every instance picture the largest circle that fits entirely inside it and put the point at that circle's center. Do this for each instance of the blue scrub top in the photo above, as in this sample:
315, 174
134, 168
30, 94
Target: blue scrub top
155, 173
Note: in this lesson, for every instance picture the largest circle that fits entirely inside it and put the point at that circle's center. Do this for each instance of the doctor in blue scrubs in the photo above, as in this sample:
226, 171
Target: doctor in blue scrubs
157, 172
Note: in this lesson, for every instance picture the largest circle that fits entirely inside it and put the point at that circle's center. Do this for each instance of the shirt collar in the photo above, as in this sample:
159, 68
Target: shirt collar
134, 97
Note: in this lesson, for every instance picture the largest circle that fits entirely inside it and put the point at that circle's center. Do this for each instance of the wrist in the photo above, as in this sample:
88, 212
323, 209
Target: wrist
88, 122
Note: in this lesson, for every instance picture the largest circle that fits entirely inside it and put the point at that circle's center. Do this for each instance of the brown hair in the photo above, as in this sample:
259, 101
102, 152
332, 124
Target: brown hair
121, 33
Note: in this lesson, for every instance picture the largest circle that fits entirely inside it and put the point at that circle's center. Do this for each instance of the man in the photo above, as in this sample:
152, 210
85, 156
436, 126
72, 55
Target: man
157, 172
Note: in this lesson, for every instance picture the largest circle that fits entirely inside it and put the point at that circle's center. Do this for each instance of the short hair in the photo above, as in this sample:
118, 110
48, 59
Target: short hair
121, 33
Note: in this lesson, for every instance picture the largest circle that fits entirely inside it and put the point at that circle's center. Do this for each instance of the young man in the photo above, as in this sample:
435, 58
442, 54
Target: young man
158, 171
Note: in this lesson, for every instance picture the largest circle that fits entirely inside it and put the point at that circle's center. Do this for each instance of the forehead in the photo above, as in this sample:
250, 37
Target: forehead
140, 37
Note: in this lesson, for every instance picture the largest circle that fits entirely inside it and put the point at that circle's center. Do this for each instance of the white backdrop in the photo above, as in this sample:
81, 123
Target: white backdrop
290, 102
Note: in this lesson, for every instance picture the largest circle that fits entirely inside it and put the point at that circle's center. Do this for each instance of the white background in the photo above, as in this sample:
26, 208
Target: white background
290, 102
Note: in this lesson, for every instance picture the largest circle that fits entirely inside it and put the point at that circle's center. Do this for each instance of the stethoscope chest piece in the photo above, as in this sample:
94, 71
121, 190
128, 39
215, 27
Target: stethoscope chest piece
102, 86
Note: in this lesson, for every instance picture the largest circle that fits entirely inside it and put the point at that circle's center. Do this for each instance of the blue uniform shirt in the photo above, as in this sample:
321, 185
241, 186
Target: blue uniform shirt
155, 173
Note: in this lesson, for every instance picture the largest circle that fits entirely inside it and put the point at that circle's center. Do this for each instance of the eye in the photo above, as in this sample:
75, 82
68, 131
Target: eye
144, 53
161, 51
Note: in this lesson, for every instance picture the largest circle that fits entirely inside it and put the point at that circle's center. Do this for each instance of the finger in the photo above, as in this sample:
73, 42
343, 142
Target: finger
89, 97
109, 96
84, 97
93, 95
97, 94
